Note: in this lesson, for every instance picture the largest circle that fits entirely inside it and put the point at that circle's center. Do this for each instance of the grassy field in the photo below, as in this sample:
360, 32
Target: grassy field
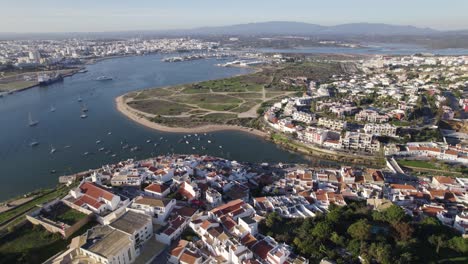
241, 97
65, 214
52, 194
33, 244
13, 86
419, 164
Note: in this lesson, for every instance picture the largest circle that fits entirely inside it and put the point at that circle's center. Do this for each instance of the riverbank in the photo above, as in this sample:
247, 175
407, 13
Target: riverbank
19, 86
139, 118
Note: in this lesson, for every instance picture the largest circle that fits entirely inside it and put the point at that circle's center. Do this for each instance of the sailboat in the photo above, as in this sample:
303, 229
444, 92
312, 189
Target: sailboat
52, 149
83, 114
32, 122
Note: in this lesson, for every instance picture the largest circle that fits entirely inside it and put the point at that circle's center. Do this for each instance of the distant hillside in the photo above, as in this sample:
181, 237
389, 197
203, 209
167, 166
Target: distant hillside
299, 28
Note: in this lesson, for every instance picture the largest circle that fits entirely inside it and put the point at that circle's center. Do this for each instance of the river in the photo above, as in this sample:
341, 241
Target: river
25, 168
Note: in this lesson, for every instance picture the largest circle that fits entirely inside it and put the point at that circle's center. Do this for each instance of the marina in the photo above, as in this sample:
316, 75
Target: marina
74, 137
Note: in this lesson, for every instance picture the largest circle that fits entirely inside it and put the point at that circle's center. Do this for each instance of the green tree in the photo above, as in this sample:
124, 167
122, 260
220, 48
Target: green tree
380, 252
404, 231
360, 230
272, 218
337, 239
437, 241
394, 214
322, 229
459, 244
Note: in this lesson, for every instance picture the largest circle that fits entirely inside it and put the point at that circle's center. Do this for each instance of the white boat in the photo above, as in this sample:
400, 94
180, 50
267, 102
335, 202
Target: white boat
84, 108
67, 146
109, 133
86, 153
34, 143
52, 149
103, 78
134, 149
148, 141
186, 142
52, 109
32, 122
220, 146
101, 149
98, 141
83, 115
80, 99
209, 141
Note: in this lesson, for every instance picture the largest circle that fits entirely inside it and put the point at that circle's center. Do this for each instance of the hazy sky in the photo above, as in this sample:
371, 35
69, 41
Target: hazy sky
116, 15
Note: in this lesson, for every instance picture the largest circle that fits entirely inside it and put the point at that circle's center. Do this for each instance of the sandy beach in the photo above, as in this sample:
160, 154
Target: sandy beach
131, 113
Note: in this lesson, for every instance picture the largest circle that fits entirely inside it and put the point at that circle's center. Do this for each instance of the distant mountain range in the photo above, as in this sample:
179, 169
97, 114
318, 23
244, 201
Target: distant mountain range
272, 28
299, 28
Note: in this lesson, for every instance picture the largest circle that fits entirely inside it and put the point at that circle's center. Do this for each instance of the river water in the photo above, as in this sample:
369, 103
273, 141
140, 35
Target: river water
25, 168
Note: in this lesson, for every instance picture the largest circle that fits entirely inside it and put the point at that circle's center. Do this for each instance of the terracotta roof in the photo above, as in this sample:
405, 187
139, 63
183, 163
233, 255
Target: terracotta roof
152, 201
248, 240
227, 208
156, 188
96, 192
431, 210
402, 187
177, 250
261, 249
444, 180
228, 223
90, 201
189, 257
184, 211
206, 224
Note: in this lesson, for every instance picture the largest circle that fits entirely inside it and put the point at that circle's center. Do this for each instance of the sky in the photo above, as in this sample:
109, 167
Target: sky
24, 16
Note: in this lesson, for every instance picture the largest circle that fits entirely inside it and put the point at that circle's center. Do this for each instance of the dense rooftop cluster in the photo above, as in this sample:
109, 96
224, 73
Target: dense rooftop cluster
392, 103
208, 210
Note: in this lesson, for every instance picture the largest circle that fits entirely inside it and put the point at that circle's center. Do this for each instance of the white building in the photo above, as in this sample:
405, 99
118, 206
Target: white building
139, 226
158, 209
303, 117
380, 129
332, 124
359, 142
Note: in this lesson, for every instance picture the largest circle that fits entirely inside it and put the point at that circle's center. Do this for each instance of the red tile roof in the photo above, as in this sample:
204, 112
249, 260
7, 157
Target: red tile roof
96, 192
227, 208
402, 187
261, 249
156, 188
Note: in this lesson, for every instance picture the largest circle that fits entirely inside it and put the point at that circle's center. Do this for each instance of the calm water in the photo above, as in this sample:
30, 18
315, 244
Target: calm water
24, 168
373, 48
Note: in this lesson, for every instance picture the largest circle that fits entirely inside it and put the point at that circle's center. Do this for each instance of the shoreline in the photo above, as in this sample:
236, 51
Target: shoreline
130, 113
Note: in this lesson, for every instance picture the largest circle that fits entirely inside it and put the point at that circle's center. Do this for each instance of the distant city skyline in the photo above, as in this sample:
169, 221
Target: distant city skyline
28, 16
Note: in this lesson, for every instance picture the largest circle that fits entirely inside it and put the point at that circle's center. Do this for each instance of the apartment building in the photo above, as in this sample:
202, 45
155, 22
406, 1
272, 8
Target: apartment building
380, 129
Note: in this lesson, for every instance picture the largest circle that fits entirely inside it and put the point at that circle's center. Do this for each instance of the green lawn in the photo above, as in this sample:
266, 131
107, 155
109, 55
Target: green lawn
159, 107
33, 244
70, 216
62, 191
419, 164
15, 85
